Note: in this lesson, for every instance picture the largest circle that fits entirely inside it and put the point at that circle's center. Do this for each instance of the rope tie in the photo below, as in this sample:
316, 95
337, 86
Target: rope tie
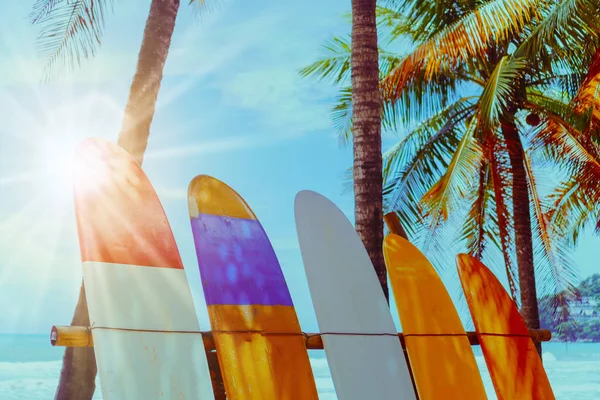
308, 336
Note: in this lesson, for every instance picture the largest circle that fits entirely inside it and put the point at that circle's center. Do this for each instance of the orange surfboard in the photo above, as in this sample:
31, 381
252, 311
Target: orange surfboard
512, 360
440, 356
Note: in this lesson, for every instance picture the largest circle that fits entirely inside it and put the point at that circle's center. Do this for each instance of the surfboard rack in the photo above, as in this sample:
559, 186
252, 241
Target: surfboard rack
81, 336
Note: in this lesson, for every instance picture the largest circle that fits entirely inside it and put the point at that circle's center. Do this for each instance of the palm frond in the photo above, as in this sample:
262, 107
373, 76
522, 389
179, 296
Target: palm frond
422, 98
71, 31
501, 183
417, 104
391, 24
428, 17
552, 265
564, 32
341, 116
587, 95
575, 200
201, 7
410, 166
442, 199
467, 38
387, 62
476, 228
544, 103
499, 91
568, 83
334, 64
576, 205
444, 202
415, 179
560, 142
41, 8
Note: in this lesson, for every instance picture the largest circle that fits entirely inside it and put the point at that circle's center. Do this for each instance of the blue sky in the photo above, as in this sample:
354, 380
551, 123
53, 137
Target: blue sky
232, 105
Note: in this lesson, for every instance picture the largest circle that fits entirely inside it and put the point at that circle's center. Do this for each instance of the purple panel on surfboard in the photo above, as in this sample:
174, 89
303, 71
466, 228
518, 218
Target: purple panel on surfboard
237, 263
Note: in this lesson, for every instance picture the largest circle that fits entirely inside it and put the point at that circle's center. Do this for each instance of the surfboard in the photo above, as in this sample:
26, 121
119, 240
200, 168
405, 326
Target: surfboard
359, 336
145, 330
440, 356
259, 343
510, 354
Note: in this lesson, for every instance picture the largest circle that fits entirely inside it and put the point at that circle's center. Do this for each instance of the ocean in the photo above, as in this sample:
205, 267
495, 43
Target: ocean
30, 368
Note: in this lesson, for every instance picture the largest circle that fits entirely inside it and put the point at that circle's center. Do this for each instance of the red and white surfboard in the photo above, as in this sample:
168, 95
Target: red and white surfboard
146, 335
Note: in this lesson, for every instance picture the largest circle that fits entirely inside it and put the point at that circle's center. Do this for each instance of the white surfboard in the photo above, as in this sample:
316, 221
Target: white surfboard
360, 340
147, 341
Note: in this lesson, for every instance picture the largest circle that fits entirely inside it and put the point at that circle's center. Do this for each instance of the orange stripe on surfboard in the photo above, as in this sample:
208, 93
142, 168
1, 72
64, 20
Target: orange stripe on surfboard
443, 367
119, 216
260, 346
262, 352
513, 362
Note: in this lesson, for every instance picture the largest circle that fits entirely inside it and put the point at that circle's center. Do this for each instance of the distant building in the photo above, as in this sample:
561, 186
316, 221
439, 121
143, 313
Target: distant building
585, 309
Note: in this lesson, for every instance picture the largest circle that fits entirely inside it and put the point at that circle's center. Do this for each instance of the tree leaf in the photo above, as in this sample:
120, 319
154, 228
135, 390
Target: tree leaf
70, 31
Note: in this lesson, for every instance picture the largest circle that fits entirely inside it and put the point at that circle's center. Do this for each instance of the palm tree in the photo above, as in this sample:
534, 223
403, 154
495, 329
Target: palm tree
366, 134
576, 202
71, 31
484, 92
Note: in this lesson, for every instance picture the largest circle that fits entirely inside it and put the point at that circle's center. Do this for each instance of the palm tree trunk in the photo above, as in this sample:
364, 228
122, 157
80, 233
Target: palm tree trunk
78, 374
141, 104
77, 379
366, 130
523, 236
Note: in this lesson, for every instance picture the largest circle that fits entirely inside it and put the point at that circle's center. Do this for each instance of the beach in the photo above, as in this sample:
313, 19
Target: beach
30, 369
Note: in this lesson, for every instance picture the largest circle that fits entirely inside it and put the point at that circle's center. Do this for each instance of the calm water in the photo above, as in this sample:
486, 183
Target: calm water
30, 367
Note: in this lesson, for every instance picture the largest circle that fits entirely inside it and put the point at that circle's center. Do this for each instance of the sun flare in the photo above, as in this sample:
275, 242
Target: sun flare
37, 224
54, 144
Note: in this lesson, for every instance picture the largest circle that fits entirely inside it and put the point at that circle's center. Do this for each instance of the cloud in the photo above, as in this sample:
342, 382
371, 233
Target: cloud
281, 98
25, 68
266, 82
253, 62
216, 146
203, 47
200, 46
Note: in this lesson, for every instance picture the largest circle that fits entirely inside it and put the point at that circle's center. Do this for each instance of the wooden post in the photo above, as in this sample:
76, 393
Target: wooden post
393, 223
215, 374
71, 336
80, 336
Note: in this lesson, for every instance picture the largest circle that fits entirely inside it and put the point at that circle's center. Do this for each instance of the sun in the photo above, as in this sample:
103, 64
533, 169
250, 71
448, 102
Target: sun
38, 238
56, 162
54, 149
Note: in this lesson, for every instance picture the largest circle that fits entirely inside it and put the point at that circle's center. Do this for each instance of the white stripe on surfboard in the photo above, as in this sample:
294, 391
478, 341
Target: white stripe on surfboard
152, 365
134, 363
133, 297
347, 298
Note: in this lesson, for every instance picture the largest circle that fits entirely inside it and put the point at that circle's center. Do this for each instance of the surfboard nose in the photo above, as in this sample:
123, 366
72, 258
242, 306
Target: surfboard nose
119, 216
309, 196
208, 195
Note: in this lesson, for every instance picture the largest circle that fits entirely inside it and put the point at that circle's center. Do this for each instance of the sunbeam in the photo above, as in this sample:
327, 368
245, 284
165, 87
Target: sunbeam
38, 238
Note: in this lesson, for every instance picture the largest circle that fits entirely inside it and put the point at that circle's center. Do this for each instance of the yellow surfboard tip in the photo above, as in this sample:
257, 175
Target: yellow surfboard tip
208, 195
